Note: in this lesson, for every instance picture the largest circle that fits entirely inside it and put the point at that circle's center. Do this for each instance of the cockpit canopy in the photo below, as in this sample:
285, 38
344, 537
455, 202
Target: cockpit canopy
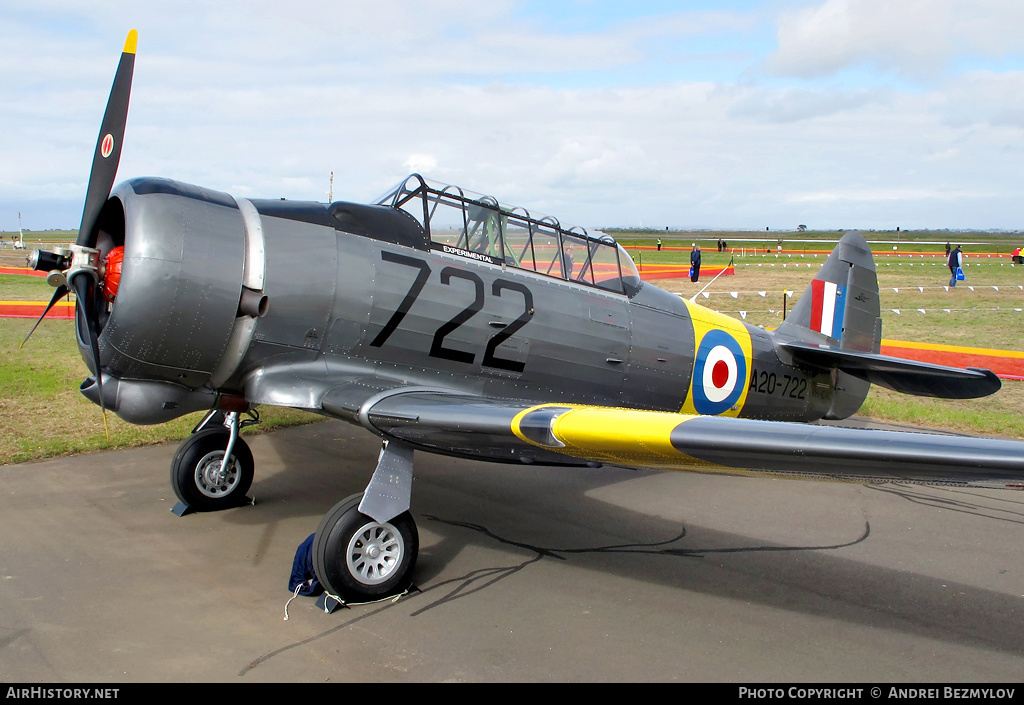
479, 227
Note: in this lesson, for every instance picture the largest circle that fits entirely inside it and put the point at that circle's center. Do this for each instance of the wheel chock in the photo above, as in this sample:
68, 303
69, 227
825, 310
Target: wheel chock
328, 604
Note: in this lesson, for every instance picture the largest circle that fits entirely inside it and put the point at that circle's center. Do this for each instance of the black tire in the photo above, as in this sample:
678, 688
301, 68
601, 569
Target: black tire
196, 476
355, 557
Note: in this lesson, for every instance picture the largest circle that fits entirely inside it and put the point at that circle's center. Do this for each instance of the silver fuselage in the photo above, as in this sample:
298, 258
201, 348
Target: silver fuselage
347, 306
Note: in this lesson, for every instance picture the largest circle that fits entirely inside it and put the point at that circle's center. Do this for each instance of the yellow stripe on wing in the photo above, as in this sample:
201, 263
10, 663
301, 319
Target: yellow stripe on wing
606, 434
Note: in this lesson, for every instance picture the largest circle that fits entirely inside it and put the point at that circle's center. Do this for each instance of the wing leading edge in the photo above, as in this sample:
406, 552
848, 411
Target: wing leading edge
570, 434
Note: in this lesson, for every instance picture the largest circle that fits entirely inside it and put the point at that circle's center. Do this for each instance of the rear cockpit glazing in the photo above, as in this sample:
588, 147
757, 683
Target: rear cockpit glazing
479, 227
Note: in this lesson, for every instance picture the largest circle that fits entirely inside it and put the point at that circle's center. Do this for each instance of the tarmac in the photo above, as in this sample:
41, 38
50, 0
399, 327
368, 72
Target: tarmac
525, 574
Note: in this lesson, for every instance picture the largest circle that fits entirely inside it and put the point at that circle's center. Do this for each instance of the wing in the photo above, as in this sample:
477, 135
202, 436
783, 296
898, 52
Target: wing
521, 431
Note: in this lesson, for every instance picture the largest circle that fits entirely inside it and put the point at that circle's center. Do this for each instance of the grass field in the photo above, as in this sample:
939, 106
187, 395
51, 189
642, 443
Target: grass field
989, 316
46, 416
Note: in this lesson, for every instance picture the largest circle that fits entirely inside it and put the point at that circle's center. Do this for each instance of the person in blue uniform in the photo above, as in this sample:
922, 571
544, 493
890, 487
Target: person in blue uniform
956, 261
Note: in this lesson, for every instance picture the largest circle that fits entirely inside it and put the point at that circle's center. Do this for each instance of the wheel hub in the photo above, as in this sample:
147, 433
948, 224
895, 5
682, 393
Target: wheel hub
214, 478
374, 553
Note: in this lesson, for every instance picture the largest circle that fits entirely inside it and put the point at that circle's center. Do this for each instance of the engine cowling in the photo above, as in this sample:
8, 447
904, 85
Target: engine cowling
189, 290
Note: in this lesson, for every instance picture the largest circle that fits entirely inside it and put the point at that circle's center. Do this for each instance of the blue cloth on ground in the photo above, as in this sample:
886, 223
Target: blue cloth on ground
302, 570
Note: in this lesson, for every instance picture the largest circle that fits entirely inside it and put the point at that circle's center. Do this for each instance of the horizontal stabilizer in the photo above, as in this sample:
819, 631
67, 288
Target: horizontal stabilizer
906, 376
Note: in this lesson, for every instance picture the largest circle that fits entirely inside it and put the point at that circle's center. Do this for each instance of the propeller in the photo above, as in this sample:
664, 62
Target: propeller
79, 267
59, 294
108, 143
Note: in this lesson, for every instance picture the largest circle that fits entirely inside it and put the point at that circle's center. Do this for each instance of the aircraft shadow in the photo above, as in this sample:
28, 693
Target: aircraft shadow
531, 514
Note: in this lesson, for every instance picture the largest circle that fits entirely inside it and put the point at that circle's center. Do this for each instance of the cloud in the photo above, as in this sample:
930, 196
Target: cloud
592, 122
984, 99
420, 162
785, 105
861, 195
916, 39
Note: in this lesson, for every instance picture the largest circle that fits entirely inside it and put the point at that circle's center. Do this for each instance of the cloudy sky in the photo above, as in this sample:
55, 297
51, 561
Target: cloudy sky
865, 114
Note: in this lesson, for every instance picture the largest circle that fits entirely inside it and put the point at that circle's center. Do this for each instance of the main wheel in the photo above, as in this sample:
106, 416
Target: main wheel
198, 477
357, 557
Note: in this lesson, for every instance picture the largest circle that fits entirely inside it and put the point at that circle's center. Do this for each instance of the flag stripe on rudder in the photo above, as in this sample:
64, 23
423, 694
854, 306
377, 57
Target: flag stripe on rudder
828, 307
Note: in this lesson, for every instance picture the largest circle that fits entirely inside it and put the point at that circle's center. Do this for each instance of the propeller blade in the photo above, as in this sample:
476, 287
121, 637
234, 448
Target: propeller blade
60, 293
80, 283
108, 144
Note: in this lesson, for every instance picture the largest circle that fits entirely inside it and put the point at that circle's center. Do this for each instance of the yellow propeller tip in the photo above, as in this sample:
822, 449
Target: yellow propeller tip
131, 42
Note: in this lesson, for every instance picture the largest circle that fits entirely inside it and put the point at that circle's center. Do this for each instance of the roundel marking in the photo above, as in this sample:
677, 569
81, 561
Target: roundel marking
107, 145
720, 372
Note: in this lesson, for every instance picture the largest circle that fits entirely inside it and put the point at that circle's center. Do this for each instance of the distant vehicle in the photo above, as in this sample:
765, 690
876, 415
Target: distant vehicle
1017, 257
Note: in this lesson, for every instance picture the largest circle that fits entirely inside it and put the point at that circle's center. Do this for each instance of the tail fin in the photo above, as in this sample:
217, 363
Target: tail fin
840, 308
837, 325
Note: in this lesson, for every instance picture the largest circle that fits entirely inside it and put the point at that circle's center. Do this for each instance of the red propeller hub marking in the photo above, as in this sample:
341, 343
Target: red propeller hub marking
107, 146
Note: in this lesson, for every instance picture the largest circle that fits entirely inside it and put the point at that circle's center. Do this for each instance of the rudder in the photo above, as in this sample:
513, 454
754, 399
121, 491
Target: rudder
841, 304
840, 308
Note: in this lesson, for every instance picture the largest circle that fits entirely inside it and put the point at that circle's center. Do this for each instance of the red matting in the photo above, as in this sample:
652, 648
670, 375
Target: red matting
22, 270
34, 309
653, 272
1006, 365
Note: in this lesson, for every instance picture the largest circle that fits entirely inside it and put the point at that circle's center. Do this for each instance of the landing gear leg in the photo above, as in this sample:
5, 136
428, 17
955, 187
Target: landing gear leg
213, 468
366, 545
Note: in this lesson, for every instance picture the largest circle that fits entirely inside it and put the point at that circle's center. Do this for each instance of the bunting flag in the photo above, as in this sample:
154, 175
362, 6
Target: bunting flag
1003, 288
880, 263
930, 312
